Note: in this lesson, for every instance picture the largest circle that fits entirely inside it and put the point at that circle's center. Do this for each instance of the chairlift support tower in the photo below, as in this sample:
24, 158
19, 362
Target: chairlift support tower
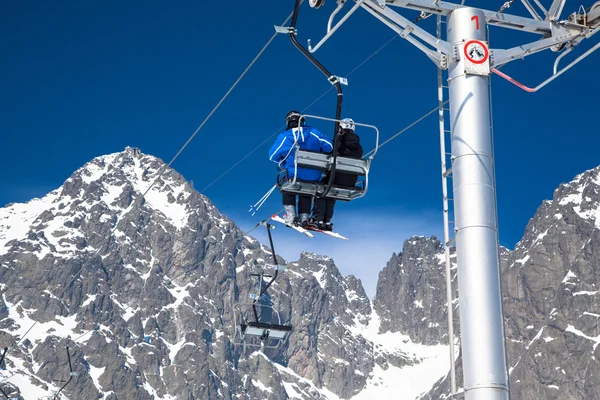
466, 55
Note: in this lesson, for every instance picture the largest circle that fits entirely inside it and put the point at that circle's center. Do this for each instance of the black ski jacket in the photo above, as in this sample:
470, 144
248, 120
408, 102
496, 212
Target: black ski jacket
348, 146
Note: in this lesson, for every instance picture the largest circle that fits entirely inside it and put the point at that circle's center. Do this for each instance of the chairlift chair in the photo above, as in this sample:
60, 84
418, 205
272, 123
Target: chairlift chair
257, 323
325, 163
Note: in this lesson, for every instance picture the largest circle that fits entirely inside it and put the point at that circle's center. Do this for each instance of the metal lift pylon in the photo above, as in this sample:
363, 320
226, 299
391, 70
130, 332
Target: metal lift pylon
467, 57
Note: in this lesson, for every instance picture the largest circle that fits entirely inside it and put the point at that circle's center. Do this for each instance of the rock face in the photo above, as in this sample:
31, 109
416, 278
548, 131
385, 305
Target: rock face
140, 277
411, 292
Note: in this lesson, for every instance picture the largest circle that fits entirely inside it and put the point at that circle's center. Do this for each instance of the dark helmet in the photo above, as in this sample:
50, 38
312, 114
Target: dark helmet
294, 118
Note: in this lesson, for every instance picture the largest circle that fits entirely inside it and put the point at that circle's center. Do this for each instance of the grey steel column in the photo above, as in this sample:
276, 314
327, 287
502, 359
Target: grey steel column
481, 323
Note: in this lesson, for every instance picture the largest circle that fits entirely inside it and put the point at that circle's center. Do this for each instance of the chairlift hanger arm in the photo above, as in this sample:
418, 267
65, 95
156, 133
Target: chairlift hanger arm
333, 79
3, 355
264, 290
269, 226
2, 359
71, 374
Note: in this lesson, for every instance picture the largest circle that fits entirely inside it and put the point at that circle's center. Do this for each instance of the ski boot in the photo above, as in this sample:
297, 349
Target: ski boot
290, 215
302, 220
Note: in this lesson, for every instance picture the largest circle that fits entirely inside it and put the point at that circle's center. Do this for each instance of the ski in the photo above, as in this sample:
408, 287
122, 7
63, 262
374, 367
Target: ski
277, 218
328, 233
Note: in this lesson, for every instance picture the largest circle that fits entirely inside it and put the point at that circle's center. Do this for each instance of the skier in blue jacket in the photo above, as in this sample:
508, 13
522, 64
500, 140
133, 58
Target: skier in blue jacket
282, 152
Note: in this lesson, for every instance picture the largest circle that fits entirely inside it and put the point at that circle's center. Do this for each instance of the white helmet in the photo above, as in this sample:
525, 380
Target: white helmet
347, 123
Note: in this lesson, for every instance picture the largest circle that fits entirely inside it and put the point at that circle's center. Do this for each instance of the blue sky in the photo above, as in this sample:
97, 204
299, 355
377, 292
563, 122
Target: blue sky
82, 79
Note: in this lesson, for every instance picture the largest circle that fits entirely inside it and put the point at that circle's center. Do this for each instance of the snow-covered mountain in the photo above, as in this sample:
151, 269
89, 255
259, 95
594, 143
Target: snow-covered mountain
138, 275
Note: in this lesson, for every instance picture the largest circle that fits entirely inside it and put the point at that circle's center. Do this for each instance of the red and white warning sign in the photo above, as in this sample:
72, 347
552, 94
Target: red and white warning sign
477, 57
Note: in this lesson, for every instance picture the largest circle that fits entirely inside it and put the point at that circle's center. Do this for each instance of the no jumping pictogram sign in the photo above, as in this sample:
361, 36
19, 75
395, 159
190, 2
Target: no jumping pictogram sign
476, 52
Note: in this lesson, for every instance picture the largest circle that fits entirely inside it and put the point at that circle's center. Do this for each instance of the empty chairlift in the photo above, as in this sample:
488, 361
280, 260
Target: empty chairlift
258, 323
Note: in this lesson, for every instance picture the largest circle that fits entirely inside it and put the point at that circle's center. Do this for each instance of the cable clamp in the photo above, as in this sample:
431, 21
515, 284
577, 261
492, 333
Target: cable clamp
337, 79
285, 29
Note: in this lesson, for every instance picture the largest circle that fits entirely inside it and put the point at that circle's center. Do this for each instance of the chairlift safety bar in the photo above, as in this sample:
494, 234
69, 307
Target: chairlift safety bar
355, 123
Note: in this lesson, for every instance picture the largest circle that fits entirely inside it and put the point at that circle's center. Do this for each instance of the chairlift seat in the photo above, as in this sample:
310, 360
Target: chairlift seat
313, 188
323, 162
264, 330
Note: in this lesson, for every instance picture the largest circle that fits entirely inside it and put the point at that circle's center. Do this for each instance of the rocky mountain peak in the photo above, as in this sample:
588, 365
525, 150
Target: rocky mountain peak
141, 281
411, 291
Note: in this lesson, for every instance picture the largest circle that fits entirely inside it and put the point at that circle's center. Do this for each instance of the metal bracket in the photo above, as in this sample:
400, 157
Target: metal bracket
333, 79
406, 31
443, 61
285, 29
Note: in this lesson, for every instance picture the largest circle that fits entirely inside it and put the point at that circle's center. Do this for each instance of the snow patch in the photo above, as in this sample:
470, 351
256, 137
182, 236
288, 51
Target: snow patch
89, 300
319, 275
585, 293
411, 381
568, 277
95, 374
261, 386
17, 219
595, 340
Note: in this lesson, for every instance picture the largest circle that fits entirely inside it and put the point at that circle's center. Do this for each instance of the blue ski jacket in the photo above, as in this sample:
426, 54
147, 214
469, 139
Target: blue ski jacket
307, 138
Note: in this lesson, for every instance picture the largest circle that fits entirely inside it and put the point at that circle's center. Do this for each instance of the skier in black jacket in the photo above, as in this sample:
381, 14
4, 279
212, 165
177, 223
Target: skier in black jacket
348, 146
